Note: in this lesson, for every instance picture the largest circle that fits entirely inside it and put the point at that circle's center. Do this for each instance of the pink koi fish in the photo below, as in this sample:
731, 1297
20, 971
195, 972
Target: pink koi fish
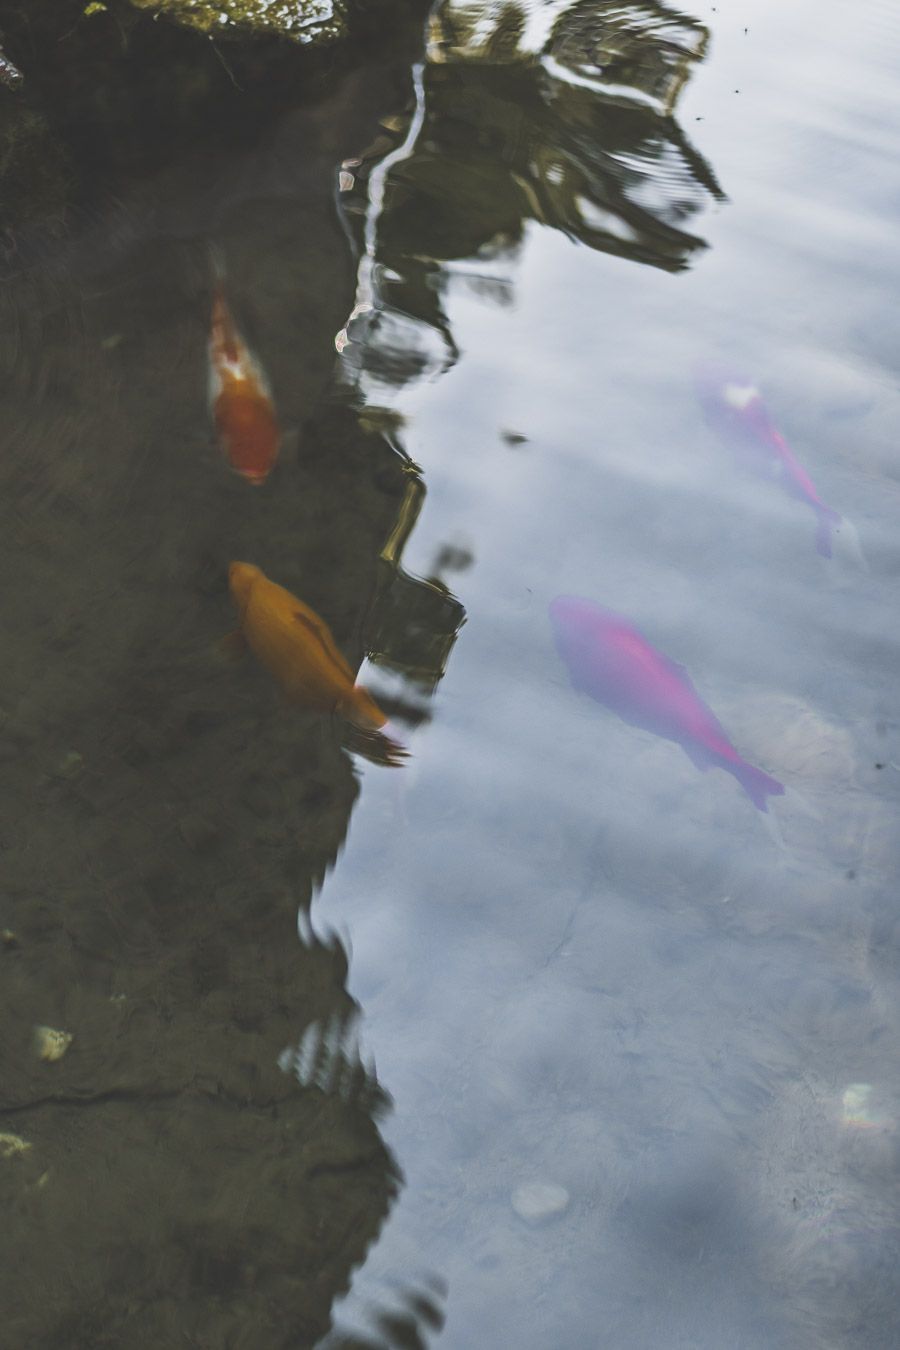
735, 408
608, 659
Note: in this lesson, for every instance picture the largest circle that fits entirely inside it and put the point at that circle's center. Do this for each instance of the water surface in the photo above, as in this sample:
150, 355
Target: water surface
545, 1038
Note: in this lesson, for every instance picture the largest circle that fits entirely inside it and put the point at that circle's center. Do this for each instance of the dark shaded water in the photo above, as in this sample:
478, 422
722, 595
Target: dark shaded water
636, 1042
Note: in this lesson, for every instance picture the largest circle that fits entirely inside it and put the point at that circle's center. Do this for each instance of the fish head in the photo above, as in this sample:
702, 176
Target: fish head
589, 637
565, 610
241, 579
572, 614
725, 393
574, 622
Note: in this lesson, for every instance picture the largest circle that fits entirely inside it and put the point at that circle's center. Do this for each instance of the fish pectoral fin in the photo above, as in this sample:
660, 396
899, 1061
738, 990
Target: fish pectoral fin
233, 646
308, 623
698, 755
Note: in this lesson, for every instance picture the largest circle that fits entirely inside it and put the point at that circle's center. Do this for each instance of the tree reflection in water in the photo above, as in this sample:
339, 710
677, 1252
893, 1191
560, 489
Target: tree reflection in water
564, 115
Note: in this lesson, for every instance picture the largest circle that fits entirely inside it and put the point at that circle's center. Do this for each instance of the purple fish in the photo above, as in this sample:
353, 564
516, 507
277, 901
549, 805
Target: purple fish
608, 659
735, 408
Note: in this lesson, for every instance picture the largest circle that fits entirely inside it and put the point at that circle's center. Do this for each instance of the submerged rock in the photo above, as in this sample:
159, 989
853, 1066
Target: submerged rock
13, 1145
50, 1044
537, 1201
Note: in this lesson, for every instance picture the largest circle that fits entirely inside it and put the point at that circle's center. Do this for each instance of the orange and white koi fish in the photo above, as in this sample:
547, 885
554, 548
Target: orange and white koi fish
298, 648
240, 399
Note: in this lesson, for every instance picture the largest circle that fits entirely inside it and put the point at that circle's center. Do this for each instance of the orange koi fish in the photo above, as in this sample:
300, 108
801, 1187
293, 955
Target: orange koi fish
298, 648
240, 399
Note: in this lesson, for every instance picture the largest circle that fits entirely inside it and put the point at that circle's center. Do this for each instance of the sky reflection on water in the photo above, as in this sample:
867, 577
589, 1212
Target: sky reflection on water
575, 1046
581, 962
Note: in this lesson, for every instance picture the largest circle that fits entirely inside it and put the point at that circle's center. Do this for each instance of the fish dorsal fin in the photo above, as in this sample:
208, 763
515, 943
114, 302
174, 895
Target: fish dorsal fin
325, 641
673, 667
643, 655
712, 721
681, 673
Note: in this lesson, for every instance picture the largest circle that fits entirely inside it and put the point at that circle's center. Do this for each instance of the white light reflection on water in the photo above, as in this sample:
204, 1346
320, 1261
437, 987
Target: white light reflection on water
366, 286
584, 965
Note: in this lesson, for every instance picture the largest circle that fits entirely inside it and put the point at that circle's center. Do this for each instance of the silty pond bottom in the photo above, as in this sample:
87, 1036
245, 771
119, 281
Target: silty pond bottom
548, 1032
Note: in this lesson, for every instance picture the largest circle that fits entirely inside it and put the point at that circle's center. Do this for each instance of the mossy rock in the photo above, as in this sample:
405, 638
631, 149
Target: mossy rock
300, 20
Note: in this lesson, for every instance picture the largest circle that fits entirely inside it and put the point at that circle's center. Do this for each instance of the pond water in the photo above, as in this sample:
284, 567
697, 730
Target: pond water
548, 1037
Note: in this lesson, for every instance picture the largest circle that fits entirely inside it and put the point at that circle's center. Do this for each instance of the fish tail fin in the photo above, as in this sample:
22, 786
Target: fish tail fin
374, 746
757, 784
361, 708
698, 755
364, 730
217, 262
223, 331
828, 521
849, 545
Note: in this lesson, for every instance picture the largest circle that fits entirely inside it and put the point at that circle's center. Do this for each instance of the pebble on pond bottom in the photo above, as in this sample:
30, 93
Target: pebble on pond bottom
539, 1200
50, 1044
11, 1145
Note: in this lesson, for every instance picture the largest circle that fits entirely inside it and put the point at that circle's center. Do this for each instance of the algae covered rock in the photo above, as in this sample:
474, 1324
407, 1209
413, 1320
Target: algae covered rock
301, 20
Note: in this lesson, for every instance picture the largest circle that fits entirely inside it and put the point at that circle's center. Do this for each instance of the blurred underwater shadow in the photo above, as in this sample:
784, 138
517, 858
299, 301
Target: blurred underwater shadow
164, 817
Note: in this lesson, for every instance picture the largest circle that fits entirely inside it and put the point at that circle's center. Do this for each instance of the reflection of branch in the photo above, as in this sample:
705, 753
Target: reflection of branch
700, 166
414, 624
413, 621
366, 285
406, 1327
329, 1058
436, 320
569, 122
593, 193
413, 497
641, 51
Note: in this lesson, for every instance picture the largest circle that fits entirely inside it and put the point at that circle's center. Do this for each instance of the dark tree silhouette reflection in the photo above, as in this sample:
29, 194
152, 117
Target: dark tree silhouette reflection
564, 115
